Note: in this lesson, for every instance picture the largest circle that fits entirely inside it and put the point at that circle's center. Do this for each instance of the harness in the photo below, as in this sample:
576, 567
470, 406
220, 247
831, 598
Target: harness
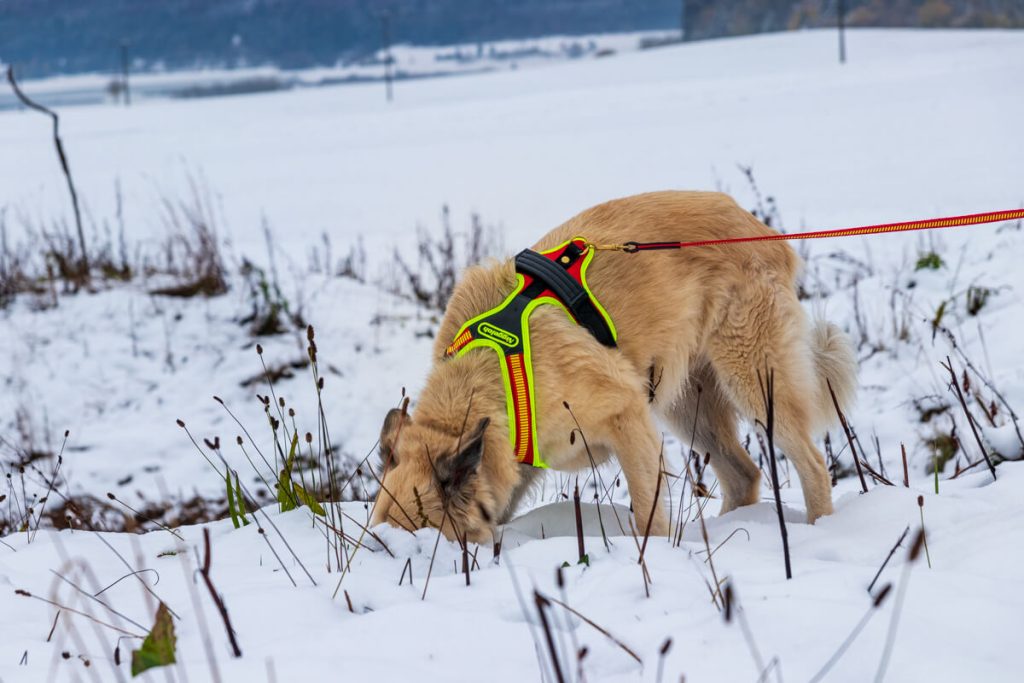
558, 277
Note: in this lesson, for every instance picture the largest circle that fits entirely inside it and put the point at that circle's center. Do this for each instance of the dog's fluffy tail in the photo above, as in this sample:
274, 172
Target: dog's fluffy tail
835, 364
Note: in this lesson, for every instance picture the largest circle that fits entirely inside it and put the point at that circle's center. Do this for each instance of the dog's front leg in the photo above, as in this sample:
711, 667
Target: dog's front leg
633, 437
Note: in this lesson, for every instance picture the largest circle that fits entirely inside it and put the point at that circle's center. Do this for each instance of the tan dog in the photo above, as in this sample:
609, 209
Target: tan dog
706, 319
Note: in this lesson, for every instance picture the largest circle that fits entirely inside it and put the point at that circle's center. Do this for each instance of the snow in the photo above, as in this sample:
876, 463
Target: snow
407, 61
917, 124
960, 619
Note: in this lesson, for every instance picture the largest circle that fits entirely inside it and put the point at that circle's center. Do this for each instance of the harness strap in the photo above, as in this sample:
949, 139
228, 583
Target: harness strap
552, 277
567, 289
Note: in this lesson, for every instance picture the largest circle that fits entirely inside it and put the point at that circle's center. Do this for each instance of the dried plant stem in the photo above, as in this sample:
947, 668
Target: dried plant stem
654, 505
26, 594
888, 557
597, 476
581, 548
924, 534
218, 601
894, 620
59, 145
768, 394
849, 437
211, 659
53, 482
97, 600
906, 472
970, 419
837, 655
603, 631
134, 573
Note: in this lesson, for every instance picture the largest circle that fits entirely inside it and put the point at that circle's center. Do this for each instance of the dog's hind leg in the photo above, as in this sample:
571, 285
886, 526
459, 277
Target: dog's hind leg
706, 419
764, 330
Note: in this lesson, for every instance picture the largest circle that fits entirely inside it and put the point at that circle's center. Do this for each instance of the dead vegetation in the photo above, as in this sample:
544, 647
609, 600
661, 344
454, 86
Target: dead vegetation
430, 278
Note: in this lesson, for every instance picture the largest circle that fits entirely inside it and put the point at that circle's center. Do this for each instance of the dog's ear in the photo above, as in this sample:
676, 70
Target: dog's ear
455, 471
394, 422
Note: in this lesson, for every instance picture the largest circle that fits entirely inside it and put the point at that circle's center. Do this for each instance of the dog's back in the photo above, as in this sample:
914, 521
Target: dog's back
699, 331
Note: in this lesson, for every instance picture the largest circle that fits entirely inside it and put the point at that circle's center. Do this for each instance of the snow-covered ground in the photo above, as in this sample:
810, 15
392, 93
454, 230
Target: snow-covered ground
917, 124
406, 61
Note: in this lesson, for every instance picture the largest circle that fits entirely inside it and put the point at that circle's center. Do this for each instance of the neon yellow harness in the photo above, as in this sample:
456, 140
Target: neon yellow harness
558, 277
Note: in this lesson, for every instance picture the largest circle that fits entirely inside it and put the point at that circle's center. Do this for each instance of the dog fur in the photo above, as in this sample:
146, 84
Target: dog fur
707, 320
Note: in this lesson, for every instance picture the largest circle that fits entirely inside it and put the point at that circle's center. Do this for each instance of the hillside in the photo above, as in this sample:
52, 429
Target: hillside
46, 37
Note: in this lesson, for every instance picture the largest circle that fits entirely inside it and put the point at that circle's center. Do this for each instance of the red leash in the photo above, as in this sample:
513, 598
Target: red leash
948, 222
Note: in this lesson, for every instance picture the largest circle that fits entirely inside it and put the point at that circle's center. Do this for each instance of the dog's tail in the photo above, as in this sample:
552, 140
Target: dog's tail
835, 365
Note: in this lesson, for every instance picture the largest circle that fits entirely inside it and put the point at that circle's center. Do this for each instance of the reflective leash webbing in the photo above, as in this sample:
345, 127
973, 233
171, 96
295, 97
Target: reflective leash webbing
948, 222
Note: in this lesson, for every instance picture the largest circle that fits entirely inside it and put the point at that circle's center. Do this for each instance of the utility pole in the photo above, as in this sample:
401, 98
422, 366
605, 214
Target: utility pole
125, 90
840, 23
385, 40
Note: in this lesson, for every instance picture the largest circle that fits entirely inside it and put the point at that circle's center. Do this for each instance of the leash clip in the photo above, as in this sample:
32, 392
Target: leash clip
627, 247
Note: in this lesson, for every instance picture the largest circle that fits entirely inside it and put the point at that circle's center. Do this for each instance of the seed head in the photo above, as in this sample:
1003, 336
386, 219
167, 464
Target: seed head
882, 594
728, 602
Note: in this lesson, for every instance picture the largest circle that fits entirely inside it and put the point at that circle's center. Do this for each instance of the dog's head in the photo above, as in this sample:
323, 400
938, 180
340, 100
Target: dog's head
434, 479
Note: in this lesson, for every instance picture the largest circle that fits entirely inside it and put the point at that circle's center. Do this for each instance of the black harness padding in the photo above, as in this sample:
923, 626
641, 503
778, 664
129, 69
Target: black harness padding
570, 292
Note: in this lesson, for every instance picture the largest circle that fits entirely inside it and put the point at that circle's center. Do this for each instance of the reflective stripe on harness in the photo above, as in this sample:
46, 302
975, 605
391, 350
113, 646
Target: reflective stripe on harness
557, 277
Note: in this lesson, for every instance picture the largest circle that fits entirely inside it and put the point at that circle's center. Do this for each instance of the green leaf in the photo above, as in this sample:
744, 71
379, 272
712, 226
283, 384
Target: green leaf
307, 499
231, 500
158, 647
241, 501
285, 497
937, 321
284, 492
291, 454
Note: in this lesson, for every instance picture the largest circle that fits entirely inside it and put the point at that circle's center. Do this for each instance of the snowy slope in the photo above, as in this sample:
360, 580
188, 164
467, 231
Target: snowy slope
917, 124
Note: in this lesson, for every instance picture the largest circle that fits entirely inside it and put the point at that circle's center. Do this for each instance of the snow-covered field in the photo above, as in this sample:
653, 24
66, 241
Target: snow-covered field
917, 124
406, 61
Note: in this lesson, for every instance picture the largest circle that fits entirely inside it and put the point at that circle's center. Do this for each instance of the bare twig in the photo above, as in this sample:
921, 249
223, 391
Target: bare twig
768, 394
603, 631
579, 522
218, 601
849, 437
63, 164
78, 612
541, 602
888, 557
970, 419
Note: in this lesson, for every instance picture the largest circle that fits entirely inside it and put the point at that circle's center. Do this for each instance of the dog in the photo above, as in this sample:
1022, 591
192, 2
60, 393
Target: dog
698, 331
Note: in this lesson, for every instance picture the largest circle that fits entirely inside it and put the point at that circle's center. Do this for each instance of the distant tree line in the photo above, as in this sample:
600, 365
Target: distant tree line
46, 36
716, 18
50, 36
